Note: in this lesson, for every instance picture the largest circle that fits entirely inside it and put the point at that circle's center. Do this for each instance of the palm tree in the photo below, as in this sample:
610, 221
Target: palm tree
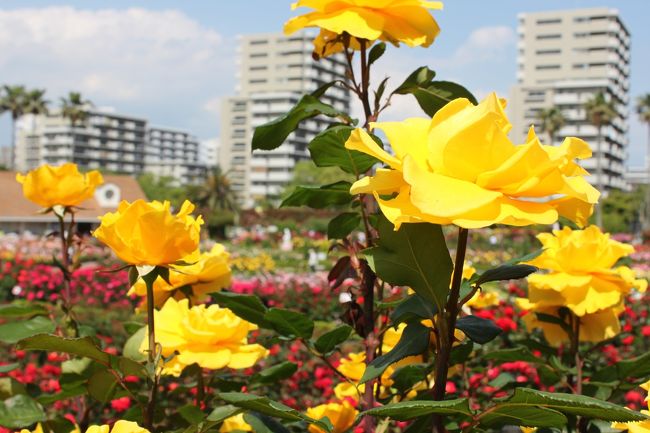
551, 120
601, 111
217, 201
35, 102
643, 110
13, 101
75, 108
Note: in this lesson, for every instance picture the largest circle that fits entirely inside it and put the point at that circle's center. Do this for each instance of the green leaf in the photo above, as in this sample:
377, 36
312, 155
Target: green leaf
84, 347
328, 341
271, 135
461, 352
133, 327
223, 412
531, 416
9, 367
415, 256
405, 377
432, 95
638, 368
101, 386
342, 225
22, 309
10, 387
65, 394
334, 194
376, 52
413, 308
257, 424
132, 345
191, 414
414, 341
20, 411
13, 332
407, 410
505, 272
503, 380
248, 307
275, 373
527, 258
477, 329
571, 404
510, 355
291, 324
268, 407
327, 149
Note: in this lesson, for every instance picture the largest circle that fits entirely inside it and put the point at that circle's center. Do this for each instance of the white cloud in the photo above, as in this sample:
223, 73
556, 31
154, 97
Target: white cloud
483, 44
213, 106
155, 64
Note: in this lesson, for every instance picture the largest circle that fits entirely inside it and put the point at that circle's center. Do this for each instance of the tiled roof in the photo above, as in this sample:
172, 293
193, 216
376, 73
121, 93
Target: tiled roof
15, 207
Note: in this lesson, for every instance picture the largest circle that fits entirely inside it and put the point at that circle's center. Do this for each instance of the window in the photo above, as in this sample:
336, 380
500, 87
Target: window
544, 52
546, 67
259, 42
549, 36
258, 55
550, 21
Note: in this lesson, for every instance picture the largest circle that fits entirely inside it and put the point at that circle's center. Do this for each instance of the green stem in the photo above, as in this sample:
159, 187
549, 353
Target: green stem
152, 355
446, 324
71, 323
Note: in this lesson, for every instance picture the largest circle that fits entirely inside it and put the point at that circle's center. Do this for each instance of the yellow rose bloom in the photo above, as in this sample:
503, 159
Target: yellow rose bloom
482, 300
235, 423
634, 427
210, 273
394, 21
50, 186
146, 233
212, 337
342, 416
460, 168
120, 426
583, 278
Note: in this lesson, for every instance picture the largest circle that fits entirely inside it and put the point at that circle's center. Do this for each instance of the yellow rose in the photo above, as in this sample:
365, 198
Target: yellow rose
582, 278
342, 416
50, 186
146, 233
235, 423
210, 273
460, 168
634, 427
482, 300
394, 21
120, 426
212, 337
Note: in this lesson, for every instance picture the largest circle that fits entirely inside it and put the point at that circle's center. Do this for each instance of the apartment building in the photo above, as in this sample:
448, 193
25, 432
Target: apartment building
564, 59
108, 141
275, 71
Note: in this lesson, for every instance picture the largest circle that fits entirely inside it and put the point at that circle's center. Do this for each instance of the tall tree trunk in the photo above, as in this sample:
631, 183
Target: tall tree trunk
12, 154
599, 174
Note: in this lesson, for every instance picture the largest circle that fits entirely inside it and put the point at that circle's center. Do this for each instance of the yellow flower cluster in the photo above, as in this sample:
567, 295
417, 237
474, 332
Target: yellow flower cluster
460, 168
261, 262
636, 427
147, 233
212, 337
120, 426
342, 416
583, 278
394, 21
210, 273
50, 186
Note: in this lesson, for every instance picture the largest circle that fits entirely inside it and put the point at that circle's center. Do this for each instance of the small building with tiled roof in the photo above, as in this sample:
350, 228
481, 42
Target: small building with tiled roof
17, 214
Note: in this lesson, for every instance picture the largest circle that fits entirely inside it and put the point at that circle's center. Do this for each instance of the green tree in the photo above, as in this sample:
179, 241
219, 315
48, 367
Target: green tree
551, 120
306, 173
216, 201
75, 108
13, 101
643, 110
162, 188
601, 111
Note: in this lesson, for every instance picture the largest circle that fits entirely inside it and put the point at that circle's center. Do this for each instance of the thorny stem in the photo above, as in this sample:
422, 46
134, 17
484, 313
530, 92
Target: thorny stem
365, 83
200, 388
71, 323
446, 324
152, 356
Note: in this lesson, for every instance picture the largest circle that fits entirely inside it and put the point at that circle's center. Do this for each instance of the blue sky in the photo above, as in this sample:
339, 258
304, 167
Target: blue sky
173, 61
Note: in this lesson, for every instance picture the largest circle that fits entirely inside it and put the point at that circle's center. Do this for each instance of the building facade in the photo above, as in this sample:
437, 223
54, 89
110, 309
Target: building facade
564, 59
107, 141
275, 71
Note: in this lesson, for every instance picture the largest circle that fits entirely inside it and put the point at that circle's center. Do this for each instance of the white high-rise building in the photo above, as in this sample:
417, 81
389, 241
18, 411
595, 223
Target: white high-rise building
565, 58
275, 71
109, 141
